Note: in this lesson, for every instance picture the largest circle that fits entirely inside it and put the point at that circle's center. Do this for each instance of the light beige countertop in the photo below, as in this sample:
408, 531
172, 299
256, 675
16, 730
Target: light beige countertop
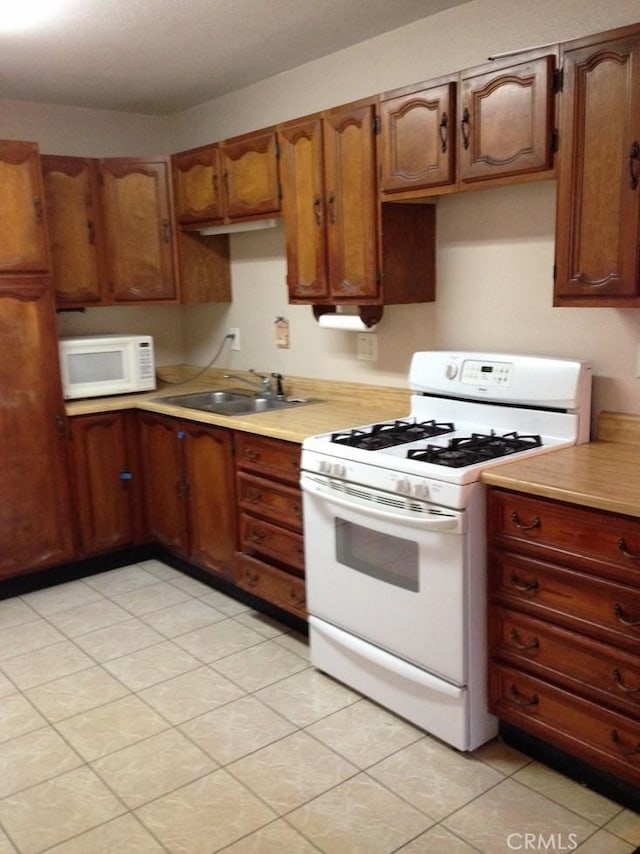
604, 474
338, 405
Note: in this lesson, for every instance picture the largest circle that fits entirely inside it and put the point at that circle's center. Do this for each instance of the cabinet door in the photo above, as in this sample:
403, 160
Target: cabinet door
304, 209
506, 120
74, 219
599, 173
210, 497
418, 139
23, 238
250, 171
196, 185
136, 201
35, 507
351, 199
106, 480
161, 441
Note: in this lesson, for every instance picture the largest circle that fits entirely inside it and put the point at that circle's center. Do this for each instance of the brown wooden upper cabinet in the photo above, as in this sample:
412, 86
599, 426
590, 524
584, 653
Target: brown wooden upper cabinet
598, 202
24, 247
232, 180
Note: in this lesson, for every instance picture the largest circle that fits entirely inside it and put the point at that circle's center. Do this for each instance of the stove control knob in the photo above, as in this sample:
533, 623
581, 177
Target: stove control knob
338, 470
324, 467
421, 490
451, 371
403, 486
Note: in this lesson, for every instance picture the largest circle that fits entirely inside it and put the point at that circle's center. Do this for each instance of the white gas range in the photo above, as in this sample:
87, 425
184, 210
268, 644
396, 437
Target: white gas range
395, 530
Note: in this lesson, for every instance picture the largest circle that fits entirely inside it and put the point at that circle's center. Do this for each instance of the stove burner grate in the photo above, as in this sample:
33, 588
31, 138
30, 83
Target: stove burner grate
390, 434
477, 448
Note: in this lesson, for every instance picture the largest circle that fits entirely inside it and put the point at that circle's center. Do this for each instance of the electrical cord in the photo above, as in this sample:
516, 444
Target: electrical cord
229, 336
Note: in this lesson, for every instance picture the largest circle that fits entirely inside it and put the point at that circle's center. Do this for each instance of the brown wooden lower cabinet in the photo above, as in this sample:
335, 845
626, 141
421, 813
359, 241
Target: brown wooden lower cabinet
564, 627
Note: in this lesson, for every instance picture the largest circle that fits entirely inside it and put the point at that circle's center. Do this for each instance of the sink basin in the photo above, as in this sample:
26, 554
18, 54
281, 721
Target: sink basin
231, 402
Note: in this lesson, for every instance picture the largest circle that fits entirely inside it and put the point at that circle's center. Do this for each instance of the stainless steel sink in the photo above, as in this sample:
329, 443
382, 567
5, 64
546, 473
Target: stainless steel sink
231, 402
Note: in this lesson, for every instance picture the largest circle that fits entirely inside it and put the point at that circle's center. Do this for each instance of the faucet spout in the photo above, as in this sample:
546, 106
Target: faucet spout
263, 385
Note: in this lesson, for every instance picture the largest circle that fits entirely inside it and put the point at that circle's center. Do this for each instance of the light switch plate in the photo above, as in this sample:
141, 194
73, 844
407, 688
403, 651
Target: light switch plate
368, 346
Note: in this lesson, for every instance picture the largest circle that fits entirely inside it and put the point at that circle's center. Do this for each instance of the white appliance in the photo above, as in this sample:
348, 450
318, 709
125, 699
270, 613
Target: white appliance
394, 523
98, 365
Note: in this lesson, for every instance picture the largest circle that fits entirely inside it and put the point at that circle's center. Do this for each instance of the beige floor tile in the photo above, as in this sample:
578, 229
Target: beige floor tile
295, 643
151, 597
6, 686
308, 696
191, 694
261, 623
206, 815
153, 767
183, 618
364, 733
498, 820
15, 611
568, 793
151, 665
76, 693
159, 569
25, 637
239, 728
225, 604
260, 665
501, 756
87, 618
276, 838
435, 778
51, 812
121, 639
17, 717
359, 817
52, 600
122, 580
123, 835
291, 771
437, 840
43, 665
604, 843
190, 585
33, 758
108, 728
5, 846
626, 825
219, 640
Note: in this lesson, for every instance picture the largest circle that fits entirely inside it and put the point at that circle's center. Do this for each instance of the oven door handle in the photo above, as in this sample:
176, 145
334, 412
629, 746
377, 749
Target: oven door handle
433, 522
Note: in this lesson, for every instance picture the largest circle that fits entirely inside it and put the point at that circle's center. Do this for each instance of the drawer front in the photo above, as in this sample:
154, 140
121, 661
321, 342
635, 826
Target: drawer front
593, 669
584, 729
263, 538
272, 458
602, 609
272, 584
586, 538
273, 501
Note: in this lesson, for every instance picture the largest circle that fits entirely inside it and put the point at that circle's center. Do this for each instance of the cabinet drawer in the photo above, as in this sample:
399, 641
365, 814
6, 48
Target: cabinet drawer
584, 729
260, 537
595, 670
600, 608
275, 585
273, 501
591, 540
271, 457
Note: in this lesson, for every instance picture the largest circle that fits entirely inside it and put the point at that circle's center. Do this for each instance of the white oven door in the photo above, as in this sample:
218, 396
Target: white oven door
390, 571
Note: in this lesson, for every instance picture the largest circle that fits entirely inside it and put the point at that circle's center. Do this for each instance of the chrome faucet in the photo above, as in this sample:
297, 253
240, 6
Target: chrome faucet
263, 385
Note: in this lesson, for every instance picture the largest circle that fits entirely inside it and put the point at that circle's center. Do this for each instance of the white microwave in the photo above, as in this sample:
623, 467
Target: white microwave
97, 365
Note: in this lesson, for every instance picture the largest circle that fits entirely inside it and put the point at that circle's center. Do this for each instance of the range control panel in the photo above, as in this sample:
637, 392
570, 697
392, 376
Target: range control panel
475, 372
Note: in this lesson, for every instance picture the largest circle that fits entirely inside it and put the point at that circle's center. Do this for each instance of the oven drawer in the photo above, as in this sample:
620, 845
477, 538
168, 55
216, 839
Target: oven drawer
598, 607
579, 536
590, 668
276, 502
582, 728
260, 537
274, 585
273, 458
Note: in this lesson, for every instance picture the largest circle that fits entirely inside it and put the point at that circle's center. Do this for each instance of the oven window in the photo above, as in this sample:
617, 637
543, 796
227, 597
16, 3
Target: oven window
393, 560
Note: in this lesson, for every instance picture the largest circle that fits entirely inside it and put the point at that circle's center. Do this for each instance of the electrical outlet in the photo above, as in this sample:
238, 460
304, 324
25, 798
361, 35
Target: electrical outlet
235, 343
368, 346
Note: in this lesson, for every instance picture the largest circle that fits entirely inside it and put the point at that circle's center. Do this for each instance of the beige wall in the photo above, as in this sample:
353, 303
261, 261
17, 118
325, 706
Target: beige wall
495, 247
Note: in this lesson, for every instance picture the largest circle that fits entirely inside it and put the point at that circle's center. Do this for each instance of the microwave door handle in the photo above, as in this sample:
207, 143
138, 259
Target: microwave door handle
428, 523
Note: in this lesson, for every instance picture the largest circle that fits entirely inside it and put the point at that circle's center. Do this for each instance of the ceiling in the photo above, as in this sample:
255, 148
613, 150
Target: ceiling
163, 56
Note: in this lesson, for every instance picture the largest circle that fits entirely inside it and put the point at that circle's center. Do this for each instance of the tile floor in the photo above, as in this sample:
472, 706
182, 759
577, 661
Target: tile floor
141, 711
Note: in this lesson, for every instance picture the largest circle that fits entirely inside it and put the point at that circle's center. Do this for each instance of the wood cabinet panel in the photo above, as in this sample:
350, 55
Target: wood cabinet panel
250, 175
270, 500
272, 541
271, 458
197, 185
24, 247
282, 589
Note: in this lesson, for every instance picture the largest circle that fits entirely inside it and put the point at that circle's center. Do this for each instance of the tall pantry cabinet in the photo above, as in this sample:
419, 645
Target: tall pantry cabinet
35, 504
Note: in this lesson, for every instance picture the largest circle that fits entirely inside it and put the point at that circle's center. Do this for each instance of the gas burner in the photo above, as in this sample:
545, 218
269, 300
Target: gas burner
477, 448
391, 433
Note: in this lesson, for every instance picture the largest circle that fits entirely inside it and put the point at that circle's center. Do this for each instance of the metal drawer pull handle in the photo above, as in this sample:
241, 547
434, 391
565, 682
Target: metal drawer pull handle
317, 209
617, 678
622, 618
522, 527
252, 578
615, 738
464, 126
256, 536
521, 700
524, 587
444, 133
623, 548
515, 638
634, 156
252, 455
254, 495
